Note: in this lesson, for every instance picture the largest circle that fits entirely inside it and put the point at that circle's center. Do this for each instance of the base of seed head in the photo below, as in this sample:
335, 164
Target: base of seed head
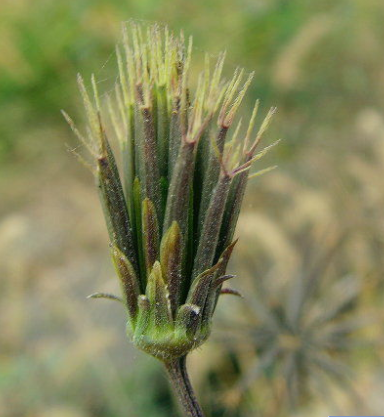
168, 344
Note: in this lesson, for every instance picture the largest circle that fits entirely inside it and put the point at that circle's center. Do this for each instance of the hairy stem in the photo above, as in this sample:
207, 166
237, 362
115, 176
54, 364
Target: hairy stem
182, 387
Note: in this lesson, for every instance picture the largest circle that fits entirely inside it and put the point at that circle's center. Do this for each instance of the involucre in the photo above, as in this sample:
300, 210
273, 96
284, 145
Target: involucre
172, 208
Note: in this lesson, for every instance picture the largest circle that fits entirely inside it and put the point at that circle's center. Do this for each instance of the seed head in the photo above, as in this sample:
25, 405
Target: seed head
172, 207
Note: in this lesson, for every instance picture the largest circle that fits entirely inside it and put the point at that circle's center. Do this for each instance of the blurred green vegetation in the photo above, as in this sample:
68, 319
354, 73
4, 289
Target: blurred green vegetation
320, 62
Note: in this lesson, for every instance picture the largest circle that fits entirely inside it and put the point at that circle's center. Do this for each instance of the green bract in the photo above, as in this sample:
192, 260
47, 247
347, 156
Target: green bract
172, 208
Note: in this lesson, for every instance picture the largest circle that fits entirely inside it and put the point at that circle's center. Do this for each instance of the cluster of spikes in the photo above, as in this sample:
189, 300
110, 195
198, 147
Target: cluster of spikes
172, 197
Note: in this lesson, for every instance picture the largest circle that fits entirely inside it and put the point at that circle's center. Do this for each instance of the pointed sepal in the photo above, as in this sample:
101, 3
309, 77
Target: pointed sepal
150, 230
231, 291
220, 280
200, 294
210, 232
143, 316
128, 280
199, 290
158, 297
187, 319
106, 296
170, 259
221, 277
114, 204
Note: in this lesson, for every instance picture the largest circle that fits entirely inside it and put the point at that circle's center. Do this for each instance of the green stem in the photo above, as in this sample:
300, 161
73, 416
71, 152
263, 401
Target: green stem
182, 387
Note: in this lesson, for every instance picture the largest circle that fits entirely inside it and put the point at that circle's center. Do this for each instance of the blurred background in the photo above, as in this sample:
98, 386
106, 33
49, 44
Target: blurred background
308, 335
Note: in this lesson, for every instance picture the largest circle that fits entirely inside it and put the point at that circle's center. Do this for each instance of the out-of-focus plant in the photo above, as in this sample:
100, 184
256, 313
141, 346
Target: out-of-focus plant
172, 209
297, 335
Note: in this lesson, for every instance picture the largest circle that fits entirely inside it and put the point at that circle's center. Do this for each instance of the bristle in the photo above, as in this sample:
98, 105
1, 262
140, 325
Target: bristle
122, 77
264, 126
82, 160
230, 93
91, 113
95, 93
262, 172
259, 155
236, 104
251, 124
88, 144
122, 107
115, 122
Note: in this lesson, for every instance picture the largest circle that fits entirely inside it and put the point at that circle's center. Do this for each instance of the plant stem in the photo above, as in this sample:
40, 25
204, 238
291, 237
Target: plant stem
182, 387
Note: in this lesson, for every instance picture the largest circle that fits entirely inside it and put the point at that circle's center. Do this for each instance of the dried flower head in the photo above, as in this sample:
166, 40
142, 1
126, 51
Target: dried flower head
172, 208
300, 331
